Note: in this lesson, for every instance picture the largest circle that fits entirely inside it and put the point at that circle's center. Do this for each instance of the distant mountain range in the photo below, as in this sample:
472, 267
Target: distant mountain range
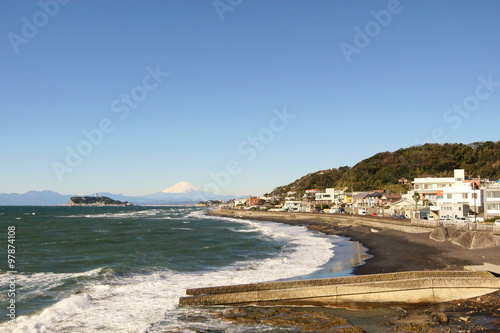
179, 194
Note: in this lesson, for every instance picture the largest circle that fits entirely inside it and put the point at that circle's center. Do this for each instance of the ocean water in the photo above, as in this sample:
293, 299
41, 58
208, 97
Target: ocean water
123, 269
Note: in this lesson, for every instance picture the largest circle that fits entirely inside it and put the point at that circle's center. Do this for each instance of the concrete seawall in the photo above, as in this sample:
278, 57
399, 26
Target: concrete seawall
405, 287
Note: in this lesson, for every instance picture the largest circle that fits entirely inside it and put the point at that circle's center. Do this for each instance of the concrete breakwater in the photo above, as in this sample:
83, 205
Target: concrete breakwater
404, 287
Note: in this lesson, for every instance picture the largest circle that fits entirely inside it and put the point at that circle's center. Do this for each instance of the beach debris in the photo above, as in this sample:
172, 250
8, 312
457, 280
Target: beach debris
402, 312
442, 318
464, 318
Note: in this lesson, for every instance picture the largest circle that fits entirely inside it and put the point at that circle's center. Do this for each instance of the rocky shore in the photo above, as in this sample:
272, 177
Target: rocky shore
392, 251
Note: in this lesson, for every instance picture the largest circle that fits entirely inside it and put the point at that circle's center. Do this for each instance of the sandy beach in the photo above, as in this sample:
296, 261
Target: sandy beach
397, 251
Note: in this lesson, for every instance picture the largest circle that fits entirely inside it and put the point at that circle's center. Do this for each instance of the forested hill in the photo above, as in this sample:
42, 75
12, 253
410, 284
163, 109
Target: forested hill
96, 201
383, 170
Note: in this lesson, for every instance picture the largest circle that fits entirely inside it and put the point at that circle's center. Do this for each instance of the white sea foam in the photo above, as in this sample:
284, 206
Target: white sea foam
149, 303
30, 285
130, 214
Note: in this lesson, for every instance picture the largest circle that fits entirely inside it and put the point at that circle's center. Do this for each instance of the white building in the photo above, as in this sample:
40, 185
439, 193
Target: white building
242, 202
293, 206
466, 193
432, 187
452, 210
492, 201
331, 196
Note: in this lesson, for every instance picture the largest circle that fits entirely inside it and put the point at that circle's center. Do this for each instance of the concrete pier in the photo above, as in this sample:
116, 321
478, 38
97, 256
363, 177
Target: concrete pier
405, 287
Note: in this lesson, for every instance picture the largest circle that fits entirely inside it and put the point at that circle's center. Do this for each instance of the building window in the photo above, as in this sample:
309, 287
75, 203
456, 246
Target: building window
465, 195
474, 195
426, 186
494, 194
416, 186
493, 206
449, 196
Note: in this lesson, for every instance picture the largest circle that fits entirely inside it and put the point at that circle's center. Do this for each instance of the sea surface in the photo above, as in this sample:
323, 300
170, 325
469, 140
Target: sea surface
123, 269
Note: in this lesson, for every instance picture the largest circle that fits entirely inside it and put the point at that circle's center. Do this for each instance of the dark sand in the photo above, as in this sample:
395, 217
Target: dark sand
396, 251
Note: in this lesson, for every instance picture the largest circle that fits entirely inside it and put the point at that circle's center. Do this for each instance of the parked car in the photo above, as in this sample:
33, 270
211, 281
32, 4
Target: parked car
362, 212
461, 220
445, 220
497, 223
374, 214
402, 216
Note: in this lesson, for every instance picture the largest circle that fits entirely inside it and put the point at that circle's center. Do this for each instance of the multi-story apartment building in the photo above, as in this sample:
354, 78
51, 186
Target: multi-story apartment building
466, 193
431, 188
492, 201
331, 196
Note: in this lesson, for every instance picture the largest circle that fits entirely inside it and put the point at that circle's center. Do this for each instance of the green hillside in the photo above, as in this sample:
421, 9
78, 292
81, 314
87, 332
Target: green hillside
383, 170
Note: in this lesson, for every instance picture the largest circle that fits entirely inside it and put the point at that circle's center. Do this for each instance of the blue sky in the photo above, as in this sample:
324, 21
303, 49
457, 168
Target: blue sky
235, 96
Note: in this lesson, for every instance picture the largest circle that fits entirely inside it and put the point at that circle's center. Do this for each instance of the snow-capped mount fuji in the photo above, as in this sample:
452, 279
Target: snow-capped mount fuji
180, 193
181, 187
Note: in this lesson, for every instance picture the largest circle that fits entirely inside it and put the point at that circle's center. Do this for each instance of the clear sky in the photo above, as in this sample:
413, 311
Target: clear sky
234, 96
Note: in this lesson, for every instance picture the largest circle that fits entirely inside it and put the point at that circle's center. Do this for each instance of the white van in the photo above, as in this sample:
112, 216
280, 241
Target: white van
362, 212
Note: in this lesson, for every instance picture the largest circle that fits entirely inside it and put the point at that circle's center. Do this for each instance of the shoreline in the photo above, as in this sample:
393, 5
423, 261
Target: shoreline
397, 251
348, 255
390, 250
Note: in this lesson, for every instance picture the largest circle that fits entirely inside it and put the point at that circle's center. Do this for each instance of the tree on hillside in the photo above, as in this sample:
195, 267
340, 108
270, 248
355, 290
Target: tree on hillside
416, 197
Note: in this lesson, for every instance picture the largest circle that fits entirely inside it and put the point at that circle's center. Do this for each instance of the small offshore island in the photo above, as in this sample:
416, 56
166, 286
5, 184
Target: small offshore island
96, 201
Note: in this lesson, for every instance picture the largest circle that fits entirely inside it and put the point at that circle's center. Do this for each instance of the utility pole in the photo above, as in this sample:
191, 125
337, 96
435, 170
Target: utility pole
352, 200
475, 204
